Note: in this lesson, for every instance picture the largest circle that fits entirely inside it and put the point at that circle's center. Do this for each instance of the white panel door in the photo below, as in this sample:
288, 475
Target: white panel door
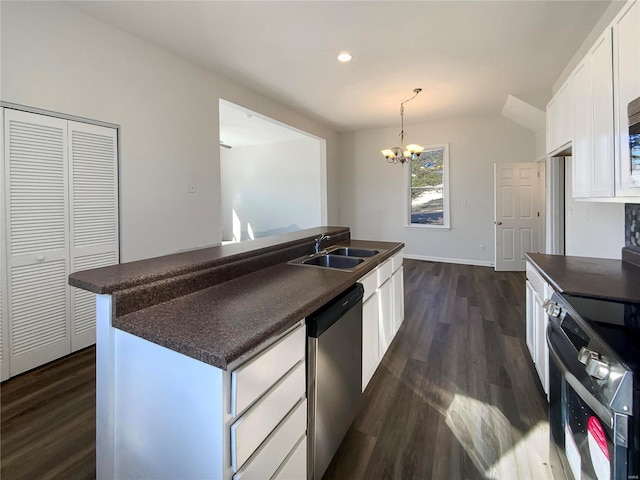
35, 153
626, 74
516, 213
602, 180
582, 149
93, 183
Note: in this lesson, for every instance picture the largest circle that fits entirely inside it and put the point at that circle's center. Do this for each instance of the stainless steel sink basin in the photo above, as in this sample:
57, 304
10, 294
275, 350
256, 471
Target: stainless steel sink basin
354, 252
333, 261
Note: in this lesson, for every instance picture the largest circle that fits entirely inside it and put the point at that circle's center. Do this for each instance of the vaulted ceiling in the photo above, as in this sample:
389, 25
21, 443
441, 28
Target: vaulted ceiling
466, 56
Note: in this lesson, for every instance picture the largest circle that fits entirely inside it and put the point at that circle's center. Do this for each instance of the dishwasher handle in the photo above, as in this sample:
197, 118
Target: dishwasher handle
323, 318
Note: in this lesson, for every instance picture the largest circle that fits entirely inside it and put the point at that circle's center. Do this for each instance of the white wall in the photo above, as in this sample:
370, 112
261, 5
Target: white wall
373, 195
592, 229
271, 186
57, 58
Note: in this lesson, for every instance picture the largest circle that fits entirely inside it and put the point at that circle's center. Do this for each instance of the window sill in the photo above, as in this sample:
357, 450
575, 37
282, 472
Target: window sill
428, 227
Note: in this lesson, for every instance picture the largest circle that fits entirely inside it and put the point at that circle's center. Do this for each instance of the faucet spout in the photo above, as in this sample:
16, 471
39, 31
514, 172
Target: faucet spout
324, 236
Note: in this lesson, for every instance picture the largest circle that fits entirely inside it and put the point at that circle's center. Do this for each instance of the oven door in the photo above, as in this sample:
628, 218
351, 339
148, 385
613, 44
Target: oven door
582, 429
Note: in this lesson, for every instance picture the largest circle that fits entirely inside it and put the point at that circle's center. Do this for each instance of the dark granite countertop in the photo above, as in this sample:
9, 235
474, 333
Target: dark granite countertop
132, 274
608, 279
224, 323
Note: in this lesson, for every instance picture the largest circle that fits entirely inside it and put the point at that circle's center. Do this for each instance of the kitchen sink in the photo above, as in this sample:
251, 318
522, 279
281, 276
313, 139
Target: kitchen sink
354, 252
333, 261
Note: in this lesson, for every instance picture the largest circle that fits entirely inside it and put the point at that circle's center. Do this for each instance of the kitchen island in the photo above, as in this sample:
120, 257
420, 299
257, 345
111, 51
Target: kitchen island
199, 352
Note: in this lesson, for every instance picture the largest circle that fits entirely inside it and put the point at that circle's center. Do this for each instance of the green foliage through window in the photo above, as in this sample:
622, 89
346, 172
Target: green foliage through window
427, 188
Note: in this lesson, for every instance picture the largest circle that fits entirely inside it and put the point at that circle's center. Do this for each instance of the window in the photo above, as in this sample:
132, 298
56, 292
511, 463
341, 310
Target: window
429, 188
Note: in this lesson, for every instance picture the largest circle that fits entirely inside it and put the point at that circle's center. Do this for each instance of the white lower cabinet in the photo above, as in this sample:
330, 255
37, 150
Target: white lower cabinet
536, 323
397, 285
295, 466
370, 330
386, 317
382, 312
164, 415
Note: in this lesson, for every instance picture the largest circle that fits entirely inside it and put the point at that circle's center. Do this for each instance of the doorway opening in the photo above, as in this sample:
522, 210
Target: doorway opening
272, 176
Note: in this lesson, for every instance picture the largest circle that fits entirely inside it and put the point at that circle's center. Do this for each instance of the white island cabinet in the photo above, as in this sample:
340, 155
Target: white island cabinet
164, 415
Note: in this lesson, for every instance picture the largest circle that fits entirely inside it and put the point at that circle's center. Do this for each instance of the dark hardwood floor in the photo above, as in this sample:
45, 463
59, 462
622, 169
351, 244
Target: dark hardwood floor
456, 396
47, 421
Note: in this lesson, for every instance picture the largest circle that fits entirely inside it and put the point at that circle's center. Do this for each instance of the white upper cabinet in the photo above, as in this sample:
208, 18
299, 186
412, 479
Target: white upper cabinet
626, 75
564, 133
601, 61
582, 146
552, 125
559, 120
590, 110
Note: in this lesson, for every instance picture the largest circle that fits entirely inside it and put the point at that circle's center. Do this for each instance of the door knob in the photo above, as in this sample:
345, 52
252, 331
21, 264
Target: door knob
498, 222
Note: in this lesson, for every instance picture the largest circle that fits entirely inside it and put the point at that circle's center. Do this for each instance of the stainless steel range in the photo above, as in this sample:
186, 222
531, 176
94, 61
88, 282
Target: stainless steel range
594, 403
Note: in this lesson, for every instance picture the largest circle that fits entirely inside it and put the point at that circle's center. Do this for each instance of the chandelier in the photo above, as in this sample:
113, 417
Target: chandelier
402, 154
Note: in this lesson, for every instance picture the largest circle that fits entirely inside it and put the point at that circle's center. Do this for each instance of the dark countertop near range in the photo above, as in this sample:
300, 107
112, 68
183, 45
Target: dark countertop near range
607, 279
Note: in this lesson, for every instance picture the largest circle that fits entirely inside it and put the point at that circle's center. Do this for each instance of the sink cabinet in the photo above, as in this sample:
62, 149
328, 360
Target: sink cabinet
382, 313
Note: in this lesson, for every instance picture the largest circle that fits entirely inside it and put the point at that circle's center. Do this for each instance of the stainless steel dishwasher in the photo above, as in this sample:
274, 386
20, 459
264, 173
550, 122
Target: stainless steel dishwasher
334, 375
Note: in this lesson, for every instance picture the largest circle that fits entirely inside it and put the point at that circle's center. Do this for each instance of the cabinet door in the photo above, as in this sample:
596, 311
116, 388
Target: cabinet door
583, 132
602, 84
552, 125
386, 317
542, 351
35, 152
565, 114
397, 299
530, 321
370, 338
94, 217
626, 78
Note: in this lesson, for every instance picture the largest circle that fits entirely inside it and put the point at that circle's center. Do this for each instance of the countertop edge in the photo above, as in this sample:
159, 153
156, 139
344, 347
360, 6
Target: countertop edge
271, 332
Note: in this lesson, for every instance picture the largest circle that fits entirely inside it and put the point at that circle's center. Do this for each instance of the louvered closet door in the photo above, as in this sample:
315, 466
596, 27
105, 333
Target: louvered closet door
4, 325
35, 162
94, 217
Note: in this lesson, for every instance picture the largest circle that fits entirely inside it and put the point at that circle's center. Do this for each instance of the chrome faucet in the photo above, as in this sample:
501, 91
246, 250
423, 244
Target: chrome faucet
324, 236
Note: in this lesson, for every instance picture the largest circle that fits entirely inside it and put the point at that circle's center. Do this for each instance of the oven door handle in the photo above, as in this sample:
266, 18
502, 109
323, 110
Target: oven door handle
601, 410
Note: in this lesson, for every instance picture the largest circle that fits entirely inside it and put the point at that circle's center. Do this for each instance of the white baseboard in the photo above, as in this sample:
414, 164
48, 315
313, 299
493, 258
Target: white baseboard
460, 261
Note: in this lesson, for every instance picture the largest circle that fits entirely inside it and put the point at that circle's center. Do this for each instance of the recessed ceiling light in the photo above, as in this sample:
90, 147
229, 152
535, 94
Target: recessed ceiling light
344, 57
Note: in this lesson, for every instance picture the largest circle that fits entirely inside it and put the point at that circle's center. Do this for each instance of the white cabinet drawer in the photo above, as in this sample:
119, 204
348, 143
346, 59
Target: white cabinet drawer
252, 428
396, 261
384, 272
273, 453
536, 280
295, 467
259, 374
370, 284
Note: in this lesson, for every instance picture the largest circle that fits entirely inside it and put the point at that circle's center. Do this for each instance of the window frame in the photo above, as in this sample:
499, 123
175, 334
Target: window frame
446, 220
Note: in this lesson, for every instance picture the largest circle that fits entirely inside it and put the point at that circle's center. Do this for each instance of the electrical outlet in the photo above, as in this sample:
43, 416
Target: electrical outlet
192, 187
482, 248
464, 203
